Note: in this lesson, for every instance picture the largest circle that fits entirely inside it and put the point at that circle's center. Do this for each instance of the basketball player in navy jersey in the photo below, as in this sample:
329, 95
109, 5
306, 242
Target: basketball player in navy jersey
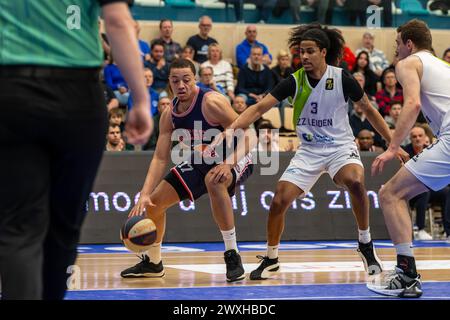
190, 179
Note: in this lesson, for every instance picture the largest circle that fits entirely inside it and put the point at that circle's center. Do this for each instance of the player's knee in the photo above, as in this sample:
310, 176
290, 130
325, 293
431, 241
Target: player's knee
356, 186
279, 204
386, 194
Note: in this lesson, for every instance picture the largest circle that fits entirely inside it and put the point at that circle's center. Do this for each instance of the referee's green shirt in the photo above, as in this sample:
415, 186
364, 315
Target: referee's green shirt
60, 33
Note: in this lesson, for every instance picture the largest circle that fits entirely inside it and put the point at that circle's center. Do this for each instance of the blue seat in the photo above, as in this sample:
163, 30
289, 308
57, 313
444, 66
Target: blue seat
181, 3
413, 7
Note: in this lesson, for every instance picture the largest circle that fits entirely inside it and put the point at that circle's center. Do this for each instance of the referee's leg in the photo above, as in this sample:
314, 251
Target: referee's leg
77, 156
24, 190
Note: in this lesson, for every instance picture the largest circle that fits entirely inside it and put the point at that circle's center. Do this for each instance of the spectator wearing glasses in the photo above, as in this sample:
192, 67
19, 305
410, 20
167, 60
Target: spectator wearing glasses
201, 41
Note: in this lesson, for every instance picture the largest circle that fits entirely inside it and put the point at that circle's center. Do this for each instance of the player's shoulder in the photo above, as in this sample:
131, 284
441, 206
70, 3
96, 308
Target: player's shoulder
411, 61
214, 98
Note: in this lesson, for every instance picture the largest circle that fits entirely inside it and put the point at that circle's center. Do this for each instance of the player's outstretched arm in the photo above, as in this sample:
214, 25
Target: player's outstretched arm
375, 118
407, 72
119, 27
220, 111
161, 156
254, 112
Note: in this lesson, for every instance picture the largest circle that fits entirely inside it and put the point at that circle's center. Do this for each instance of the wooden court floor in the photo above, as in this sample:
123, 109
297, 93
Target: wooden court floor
207, 269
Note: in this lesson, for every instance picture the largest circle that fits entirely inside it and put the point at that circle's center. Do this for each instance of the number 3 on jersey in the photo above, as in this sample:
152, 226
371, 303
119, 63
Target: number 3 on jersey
314, 107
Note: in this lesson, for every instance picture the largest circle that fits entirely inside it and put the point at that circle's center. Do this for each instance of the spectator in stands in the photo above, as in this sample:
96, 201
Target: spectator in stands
144, 48
154, 96
159, 67
446, 55
356, 11
292, 5
207, 80
254, 79
201, 41
377, 59
323, 10
110, 97
238, 9
268, 139
365, 141
188, 53
115, 81
239, 104
358, 122
172, 49
371, 79
163, 104
243, 49
296, 61
264, 9
283, 68
389, 92
114, 141
117, 116
348, 57
223, 72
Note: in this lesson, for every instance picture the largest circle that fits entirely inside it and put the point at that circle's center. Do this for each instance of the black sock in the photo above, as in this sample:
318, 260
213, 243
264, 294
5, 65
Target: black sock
407, 264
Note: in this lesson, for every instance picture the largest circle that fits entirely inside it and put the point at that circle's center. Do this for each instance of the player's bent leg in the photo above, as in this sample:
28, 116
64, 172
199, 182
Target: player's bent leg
286, 192
351, 177
393, 198
404, 281
223, 215
150, 266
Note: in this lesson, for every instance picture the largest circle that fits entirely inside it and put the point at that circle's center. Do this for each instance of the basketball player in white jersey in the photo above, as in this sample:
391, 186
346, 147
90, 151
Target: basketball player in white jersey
320, 94
426, 86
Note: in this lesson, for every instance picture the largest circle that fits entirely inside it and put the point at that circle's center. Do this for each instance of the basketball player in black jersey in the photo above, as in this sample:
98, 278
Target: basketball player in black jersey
190, 179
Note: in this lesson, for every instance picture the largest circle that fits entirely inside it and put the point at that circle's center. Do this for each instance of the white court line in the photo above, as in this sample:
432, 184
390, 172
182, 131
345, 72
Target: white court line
299, 267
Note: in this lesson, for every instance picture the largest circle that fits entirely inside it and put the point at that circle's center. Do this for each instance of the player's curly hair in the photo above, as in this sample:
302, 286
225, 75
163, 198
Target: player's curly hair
329, 39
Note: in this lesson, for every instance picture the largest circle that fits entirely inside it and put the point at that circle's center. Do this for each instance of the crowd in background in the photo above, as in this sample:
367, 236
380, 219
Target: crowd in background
253, 76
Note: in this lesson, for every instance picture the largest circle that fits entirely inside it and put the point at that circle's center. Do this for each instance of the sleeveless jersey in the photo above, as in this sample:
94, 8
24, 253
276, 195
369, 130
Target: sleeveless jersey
320, 113
435, 92
192, 124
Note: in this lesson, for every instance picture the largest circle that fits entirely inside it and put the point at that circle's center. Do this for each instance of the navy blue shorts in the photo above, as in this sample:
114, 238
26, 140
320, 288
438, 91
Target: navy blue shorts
189, 179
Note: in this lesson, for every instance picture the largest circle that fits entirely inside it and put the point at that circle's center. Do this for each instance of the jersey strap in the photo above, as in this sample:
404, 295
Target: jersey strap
301, 95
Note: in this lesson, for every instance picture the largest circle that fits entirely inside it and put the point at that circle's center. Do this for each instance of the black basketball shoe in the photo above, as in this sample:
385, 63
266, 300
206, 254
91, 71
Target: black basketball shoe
144, 269
235, 270
266, 269
372, 264
398, 284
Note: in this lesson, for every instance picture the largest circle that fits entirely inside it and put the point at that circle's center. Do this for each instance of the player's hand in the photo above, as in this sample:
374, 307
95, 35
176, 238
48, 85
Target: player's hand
402, 155
139, 209
221, 172
139, 125
380, 161
226, 135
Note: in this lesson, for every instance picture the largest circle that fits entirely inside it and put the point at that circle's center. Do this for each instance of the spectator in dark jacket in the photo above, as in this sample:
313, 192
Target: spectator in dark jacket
159, 67
254, 79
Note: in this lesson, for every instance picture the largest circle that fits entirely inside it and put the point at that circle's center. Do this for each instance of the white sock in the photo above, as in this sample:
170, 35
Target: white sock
154, 253
272, 251
404, 249
364, 236
229, 238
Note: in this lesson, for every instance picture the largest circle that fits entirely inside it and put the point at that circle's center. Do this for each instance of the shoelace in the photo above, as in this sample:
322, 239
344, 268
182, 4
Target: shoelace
264, 260
233, 260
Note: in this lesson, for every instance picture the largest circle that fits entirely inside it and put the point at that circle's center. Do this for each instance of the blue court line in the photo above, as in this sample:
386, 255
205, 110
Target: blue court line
432, 290
243, 246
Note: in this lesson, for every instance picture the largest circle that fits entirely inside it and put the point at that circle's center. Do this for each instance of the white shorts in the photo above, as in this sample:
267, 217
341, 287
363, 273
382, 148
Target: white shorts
432, 165
309, 163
